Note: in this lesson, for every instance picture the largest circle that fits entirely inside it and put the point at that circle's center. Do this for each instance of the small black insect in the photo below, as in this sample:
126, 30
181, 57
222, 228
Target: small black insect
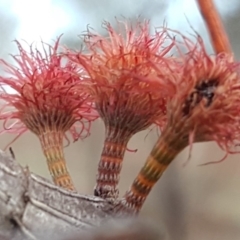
205, 90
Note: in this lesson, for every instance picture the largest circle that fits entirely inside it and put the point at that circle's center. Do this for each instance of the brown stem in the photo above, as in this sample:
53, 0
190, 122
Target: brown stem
52, 145
215, 27
162, 154
110, 164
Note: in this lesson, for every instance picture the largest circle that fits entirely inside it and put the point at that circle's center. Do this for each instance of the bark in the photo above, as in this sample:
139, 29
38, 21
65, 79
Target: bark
32, 208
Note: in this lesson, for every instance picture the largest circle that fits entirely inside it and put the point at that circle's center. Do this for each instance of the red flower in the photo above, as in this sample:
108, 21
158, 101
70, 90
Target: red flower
207, 102
205, 107
127, 103
46, 102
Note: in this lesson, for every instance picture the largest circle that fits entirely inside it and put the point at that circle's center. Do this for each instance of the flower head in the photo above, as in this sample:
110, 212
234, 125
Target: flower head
206, 106
45, 94
118, 65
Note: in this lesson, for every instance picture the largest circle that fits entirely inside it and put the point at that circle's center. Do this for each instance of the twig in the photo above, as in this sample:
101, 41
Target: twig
12, 153
215, 26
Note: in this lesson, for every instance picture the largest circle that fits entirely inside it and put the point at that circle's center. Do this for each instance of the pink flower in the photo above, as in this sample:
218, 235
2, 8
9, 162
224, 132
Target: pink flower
46, 102
127, 103
207, 102
205, 107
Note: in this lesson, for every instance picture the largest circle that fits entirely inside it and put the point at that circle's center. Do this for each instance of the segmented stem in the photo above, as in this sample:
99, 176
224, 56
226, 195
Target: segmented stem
215, 27
52, 145
162, 154
110, 164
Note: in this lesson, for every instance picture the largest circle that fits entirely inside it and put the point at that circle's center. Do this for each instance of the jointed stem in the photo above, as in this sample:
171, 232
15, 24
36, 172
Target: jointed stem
52, 145
163, 153
110, 164
215, 27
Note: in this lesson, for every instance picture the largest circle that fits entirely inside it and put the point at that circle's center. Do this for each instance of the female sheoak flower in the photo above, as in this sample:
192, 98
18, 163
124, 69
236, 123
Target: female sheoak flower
126, 103
45, 101
205, 108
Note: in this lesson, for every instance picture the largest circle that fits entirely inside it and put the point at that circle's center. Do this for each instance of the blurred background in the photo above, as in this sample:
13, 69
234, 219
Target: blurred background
190, 202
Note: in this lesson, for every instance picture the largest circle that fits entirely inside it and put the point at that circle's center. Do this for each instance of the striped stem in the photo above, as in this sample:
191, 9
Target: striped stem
52, 145
215, 27
163, 153
110, 164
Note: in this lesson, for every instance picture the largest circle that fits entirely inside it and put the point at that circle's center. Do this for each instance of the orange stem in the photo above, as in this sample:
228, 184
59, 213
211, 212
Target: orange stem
215, 27
52, 145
